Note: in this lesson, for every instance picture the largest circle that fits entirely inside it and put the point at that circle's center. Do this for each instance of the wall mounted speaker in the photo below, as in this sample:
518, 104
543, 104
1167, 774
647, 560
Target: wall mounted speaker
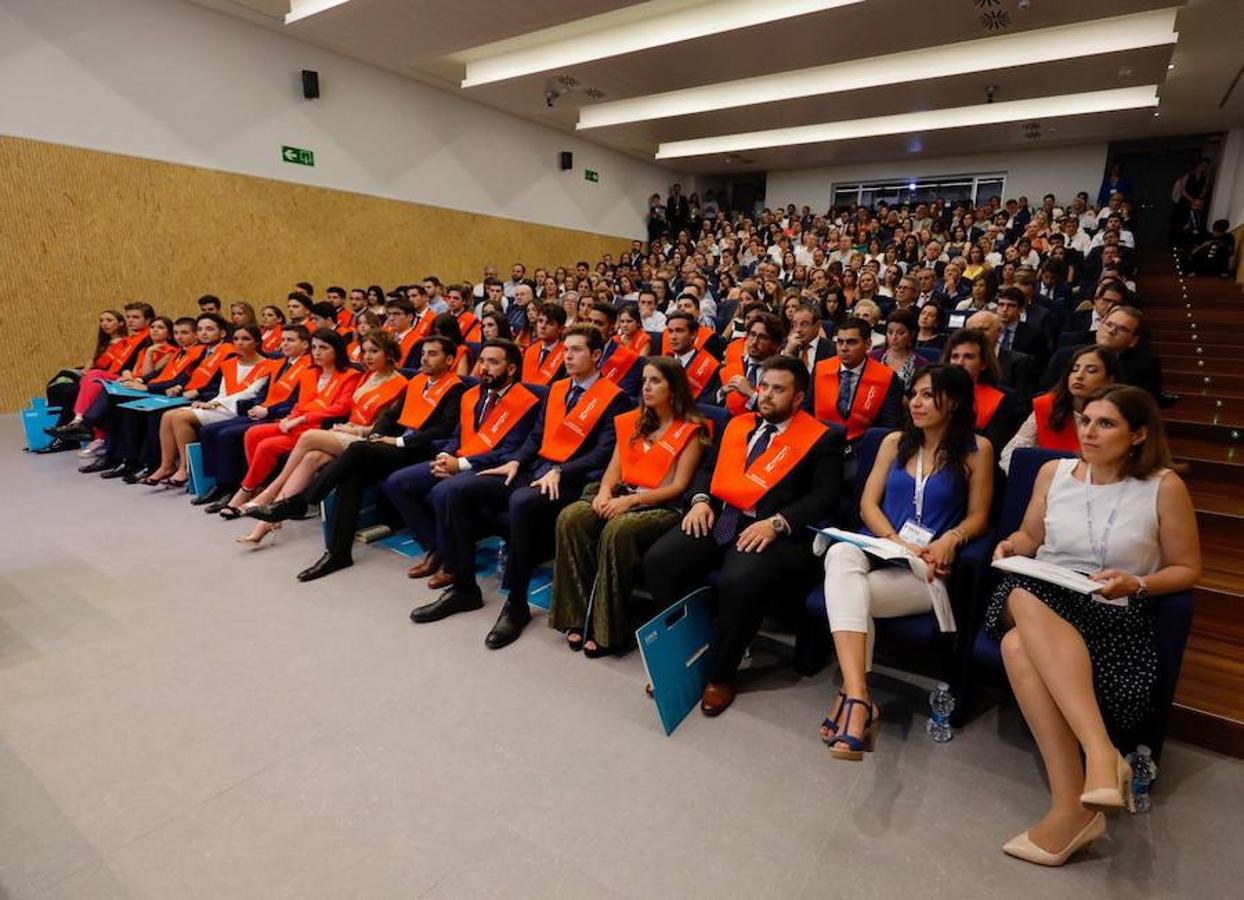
566, 159
310, 84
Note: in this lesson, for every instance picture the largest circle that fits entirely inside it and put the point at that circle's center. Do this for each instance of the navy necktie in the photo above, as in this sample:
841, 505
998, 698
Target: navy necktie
726, 528
490, 400
1007, 337
844, 393
544, 354
573, 397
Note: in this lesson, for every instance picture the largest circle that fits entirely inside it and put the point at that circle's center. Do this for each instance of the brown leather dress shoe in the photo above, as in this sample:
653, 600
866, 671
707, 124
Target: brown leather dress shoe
425, 567
716, 698
441, 579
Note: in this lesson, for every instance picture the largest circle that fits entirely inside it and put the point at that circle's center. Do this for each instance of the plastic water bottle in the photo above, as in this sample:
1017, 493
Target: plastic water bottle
941, 704
1144, 773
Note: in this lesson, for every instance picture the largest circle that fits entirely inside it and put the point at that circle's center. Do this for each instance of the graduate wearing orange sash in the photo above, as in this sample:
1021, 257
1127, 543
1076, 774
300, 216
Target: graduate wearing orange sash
772, 475
419, 412
601, 540
570, 444
869, 397
701, 366
996, 416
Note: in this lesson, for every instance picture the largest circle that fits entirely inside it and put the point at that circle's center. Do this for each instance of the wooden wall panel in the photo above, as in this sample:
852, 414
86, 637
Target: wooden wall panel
82, 230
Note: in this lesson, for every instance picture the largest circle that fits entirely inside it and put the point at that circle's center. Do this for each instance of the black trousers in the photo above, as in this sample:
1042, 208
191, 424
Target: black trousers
363, 463
471, 500
750, 584
62, 391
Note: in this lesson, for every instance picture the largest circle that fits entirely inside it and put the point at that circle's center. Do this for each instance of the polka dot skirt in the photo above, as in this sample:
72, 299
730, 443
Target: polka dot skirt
1121, 642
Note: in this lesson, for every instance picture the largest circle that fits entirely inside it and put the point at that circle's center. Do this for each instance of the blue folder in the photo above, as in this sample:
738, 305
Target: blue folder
116, 389
152, 403
200, 481
674, 646
35, 418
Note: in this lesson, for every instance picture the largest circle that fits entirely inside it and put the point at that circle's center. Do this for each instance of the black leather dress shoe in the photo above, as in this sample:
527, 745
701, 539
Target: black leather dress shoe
514, 617
79, 433
448, 603
289, 508
101, 464
325, 565
133, 476
117, 471
215, 494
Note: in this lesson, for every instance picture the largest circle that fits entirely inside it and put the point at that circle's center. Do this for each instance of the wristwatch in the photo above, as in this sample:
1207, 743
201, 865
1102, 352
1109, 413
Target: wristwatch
701, 498
1143, 591
779, 525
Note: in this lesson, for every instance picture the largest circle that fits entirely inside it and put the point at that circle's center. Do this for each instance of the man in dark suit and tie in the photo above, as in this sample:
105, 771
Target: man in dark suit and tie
1018, 333
1120, 332
569, 446
805, 342
495, 419
772, 474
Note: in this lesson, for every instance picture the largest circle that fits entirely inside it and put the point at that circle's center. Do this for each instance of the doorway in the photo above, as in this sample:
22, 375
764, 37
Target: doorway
1153, 167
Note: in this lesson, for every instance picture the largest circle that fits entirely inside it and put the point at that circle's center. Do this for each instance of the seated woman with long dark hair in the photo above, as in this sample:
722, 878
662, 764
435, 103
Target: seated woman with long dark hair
973, 351
601, 538
380, 388
494, 326
631, 332
1083, 669
324, 392
1052, 422
242, 378
272, 323
929, 491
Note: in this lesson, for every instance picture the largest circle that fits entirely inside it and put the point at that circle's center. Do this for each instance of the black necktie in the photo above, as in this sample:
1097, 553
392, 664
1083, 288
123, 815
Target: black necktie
490, 400
544, 354
844, 393
752, 369
726, 528
573, 397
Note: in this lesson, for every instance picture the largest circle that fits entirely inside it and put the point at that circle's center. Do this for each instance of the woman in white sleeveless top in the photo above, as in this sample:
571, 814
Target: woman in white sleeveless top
1081, 667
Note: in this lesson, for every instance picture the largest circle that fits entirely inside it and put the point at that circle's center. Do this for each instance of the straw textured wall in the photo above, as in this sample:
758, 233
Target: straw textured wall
82, 230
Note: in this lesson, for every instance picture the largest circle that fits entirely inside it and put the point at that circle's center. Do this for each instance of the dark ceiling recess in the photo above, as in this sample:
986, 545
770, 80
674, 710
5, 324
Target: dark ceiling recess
1235, 82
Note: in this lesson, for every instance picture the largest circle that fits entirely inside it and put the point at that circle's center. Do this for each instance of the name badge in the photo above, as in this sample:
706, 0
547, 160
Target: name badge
915, 533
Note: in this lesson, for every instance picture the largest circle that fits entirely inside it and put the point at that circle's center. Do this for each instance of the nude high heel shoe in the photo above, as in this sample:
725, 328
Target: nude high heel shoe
1022, 847
254, 543
1108, 799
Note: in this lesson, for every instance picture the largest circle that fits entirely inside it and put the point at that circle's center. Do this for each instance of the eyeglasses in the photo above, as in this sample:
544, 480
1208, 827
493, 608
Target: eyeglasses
1116, 328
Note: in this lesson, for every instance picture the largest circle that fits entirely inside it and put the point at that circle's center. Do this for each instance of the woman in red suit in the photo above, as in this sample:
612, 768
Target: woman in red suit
315, 448
324, 393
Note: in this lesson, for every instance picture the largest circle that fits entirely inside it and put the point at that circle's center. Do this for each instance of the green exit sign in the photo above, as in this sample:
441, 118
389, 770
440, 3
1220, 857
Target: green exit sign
298, 156
591, 175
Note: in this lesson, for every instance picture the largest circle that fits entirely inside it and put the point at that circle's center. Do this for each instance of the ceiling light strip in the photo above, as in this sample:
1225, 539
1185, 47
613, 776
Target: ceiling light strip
929, 120
657, 23
300, 9
1120, 33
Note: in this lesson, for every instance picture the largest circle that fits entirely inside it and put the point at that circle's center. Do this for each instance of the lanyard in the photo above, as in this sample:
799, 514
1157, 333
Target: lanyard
921, 482
1099, 550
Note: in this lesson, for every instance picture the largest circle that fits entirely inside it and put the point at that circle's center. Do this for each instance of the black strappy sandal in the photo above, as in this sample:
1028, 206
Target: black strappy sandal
574, 639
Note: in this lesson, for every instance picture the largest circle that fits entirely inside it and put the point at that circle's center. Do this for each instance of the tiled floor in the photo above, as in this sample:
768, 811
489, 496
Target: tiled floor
179, 718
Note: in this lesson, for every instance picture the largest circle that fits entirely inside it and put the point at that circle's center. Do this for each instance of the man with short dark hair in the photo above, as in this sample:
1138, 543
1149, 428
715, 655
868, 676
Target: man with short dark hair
762, 341
570, 445
852, 389
774, 472
1017, 332
494, 420
621, 365
209, 303
700, 365
542, 360
1120, 332
433, 288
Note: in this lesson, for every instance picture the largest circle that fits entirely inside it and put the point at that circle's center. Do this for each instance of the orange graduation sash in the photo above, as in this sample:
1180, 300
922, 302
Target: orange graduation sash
743, 486
509, 411
565, 434
423, 326
120, 352
231, 384
157, 353
619, 363
533, 371
1065, 438
869, 397
271, 341
988, 399
648, 468
366, 406
472, 328
736, 403
213, 359
282, 387
701, 338
639, 344
181, 362
311, 396
700, 371
422, 400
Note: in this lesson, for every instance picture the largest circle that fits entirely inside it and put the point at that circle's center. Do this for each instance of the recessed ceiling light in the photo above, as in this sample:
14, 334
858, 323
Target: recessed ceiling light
1131, 32
657, 23
1170, 67
300, 9
929, 120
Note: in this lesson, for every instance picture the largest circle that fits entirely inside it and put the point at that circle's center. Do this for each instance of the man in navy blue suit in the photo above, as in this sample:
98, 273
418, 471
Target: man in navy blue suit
569, 446
496, 417
623, 367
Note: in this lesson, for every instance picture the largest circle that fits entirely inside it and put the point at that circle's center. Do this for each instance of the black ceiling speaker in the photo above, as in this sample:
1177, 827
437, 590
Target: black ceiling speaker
310, 84
567, 160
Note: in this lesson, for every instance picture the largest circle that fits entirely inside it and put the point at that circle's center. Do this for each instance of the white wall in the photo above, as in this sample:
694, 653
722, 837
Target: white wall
1228, 200
1062, 171
170, 80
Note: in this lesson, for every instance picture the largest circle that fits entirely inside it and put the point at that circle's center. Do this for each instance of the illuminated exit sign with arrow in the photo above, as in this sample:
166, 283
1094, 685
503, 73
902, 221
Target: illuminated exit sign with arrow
298, 156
